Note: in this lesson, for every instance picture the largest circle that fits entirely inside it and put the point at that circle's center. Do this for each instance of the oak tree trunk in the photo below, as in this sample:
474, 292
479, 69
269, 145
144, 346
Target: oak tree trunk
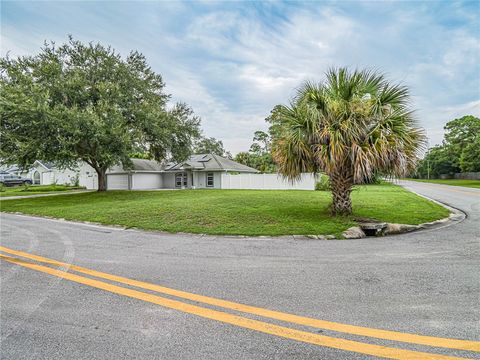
102, 179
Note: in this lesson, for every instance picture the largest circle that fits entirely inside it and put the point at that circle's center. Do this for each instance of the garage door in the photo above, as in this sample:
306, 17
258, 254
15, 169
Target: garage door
117, 182
47, 178
146, 181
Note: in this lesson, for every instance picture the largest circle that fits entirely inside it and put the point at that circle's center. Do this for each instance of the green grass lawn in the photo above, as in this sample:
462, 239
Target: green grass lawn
232, 212
35, 189
454, 182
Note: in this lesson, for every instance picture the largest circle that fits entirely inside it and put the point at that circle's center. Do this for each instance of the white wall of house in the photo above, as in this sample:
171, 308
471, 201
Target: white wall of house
87, 176
64, 176
266, 182
142, 181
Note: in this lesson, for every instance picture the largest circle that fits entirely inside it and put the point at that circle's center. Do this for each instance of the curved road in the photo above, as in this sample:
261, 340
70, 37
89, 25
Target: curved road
425, 283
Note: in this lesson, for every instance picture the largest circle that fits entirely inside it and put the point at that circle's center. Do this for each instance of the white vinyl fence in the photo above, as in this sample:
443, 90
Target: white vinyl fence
267, 182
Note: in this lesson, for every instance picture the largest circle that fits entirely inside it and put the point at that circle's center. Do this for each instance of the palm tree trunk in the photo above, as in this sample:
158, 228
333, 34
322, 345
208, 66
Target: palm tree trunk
341, 185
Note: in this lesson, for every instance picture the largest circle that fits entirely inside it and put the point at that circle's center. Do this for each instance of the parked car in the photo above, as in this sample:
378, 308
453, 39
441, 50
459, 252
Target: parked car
12, 180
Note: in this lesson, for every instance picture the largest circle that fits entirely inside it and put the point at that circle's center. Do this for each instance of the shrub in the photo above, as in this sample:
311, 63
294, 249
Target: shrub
76, 180
323, 183
376, 179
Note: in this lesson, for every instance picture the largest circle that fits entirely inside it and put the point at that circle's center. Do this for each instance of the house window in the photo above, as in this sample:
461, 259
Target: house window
209, 179
180, 180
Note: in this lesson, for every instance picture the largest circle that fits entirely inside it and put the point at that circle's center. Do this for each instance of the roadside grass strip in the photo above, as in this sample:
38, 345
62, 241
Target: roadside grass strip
451, 182
298, 335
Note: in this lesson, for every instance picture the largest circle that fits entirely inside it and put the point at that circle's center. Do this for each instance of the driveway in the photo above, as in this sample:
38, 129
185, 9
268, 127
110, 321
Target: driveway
424, 286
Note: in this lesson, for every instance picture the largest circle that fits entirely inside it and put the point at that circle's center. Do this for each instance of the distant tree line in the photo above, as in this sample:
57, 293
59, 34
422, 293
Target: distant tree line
459, 152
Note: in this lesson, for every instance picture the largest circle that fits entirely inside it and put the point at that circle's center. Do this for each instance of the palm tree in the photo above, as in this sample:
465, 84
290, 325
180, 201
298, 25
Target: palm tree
351, 126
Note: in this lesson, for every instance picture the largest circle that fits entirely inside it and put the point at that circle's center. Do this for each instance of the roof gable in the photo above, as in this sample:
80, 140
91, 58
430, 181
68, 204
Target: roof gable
45, 165
140, 165
211, 162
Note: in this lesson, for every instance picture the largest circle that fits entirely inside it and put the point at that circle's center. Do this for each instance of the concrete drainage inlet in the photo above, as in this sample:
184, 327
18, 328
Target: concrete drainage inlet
373, 228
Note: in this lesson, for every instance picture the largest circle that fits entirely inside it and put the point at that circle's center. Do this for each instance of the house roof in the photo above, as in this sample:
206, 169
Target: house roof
210, 162
12, 168
45, 164
140, 165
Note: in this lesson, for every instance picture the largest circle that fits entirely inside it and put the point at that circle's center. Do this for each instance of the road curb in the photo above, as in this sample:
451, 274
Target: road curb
456, 216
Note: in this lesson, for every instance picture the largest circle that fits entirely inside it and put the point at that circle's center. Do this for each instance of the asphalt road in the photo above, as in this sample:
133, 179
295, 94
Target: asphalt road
425, 283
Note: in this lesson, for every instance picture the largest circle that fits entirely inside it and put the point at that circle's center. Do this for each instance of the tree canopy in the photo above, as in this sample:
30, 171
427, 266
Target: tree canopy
84, 102
437, 161
259, 155
462, 138
459, 152
210, 145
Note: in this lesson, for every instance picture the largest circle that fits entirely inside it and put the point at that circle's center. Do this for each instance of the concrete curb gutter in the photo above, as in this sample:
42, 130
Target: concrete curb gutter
456, 216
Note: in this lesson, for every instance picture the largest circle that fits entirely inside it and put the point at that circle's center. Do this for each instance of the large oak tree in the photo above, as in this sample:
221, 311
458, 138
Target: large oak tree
84, 102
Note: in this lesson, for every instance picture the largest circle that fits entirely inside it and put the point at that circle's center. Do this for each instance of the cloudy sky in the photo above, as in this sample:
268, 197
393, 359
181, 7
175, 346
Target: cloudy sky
233, 61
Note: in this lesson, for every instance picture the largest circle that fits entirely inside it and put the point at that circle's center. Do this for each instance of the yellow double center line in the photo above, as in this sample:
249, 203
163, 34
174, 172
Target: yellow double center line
285, 332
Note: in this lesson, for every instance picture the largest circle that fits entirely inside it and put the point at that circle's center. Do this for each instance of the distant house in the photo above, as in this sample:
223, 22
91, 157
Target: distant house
197, 172
46, 173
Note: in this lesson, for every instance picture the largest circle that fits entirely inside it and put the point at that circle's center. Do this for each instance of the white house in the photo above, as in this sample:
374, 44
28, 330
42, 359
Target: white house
45, 173
202, 171
199, 171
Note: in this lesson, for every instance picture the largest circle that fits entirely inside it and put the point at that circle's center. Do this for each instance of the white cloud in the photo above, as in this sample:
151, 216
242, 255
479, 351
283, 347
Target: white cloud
257, 66
15, 43
437, 117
